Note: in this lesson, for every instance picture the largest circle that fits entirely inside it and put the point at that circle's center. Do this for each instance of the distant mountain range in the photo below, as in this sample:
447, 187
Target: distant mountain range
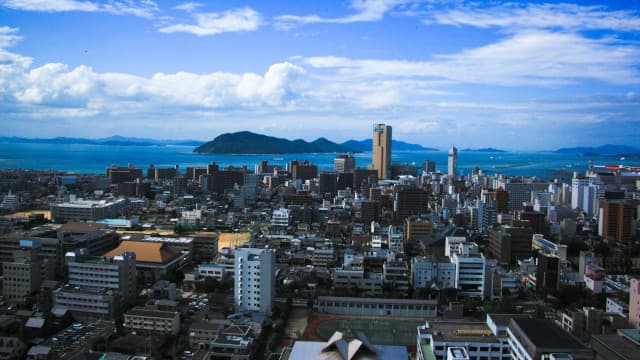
489, 149
607, 149
112, 140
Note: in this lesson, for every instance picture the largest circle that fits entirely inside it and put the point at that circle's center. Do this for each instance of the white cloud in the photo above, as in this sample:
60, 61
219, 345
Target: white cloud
539, 58
8, 36
518, 16
364, 11
143, 8
236, 20
188, 6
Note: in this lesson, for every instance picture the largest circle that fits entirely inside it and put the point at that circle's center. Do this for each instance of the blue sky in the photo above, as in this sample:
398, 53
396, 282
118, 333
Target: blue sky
513, 75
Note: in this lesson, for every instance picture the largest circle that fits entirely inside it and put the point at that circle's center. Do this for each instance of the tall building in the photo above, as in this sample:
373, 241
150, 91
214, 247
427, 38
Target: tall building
577, 191
616, 220
24, 275
634, 302
344, 163
429, 166
117, 273
410, 202
382, 150
547, 273
254, 287
453, 162
99, 286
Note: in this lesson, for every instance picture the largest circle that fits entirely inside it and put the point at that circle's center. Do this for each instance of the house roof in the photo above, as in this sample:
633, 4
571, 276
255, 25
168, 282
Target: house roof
149, 252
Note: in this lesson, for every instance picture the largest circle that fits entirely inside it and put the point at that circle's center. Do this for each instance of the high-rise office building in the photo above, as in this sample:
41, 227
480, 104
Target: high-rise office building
453, 162
616, 218
254, 288
344, 163
382, 150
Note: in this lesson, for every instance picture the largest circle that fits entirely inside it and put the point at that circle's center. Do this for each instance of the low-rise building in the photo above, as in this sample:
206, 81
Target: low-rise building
234, 342
376, 306
145, 320
532, 339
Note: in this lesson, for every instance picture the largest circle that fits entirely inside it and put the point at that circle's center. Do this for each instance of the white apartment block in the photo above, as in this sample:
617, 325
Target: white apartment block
254, 287
280, 217
80, 210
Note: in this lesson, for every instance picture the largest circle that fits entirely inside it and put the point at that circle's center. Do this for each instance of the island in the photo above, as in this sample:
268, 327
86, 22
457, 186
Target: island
246, 142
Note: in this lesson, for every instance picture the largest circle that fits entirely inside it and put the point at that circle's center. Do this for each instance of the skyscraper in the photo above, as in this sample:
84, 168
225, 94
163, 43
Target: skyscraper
382, 150
453, 161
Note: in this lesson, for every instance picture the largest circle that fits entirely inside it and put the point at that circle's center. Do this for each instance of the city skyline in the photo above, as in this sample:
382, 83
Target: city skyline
563, 74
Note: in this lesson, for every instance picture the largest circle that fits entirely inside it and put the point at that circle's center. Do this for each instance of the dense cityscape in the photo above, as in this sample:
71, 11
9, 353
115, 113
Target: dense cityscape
319, 180
367, 261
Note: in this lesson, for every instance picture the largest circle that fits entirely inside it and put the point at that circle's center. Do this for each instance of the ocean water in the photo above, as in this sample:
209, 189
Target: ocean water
94, 159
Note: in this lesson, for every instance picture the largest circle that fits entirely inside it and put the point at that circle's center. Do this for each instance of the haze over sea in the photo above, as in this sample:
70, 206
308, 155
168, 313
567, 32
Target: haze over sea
93, 159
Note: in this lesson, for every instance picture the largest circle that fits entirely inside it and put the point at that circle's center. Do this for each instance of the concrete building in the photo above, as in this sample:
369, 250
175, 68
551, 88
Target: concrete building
616, 220
417, 228
410, 202
396, 275
234, 342
430, 271
280, 218
83, 210
547, 273
153, 259
376, 306
510, 243
481, 340
150, 321
452, 167
382, 135
23, 276
634, 302
117, 273
624, 345
533, 339
470, 272
254, 282
577, 191
344, 163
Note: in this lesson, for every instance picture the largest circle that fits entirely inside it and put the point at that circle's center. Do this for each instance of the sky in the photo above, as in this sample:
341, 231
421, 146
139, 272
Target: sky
510, 75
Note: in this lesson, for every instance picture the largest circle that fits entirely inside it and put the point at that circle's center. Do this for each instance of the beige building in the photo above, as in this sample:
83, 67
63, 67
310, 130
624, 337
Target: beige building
382, 150
143, 320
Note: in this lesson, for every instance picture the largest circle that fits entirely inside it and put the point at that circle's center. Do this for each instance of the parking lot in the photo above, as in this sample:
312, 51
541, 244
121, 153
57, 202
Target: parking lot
78, 337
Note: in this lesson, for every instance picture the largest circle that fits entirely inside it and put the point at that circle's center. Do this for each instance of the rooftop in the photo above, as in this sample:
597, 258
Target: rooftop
460, 331
545, 334
82, 227
149, 252
140, 311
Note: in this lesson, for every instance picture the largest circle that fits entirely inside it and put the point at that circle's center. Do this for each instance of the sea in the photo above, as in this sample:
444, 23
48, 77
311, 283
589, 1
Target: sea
94, 159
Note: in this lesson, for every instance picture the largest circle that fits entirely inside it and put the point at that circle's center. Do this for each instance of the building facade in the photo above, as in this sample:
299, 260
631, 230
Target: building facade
254, 282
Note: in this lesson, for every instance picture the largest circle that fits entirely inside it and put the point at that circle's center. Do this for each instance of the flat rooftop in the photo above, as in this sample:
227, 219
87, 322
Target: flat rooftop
545, 334
460, 331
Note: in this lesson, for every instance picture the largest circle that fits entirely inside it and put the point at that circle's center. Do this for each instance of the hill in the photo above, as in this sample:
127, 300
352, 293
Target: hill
607, 149
489, 149
246, 142
367, 145
115, 140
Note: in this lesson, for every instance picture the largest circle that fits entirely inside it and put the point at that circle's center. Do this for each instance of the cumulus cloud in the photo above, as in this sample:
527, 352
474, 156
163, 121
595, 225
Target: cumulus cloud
236, 20
142, 8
